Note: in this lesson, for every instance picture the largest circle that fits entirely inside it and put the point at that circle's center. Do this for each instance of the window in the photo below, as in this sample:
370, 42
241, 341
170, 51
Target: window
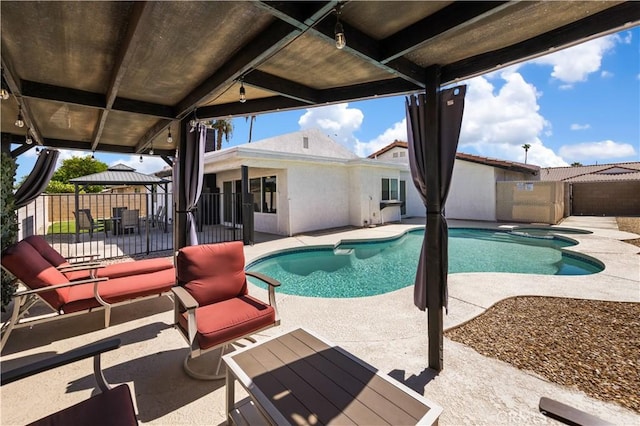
389, 189
265, 196
305, 142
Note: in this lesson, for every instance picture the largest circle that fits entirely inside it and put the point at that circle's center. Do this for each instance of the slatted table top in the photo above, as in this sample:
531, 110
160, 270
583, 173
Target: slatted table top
298, 378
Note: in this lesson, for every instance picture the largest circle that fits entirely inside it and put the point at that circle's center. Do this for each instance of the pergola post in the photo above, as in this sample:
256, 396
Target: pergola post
179, 200
433, 253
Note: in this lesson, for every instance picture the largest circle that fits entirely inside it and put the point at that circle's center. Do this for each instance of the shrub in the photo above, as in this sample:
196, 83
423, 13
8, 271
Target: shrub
8, 220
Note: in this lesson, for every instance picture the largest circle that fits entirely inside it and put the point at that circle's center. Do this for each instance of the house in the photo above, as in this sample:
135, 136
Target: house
473, 193
305, 181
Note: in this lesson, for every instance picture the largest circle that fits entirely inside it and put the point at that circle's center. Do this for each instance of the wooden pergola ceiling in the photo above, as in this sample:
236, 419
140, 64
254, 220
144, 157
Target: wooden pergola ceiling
113, 76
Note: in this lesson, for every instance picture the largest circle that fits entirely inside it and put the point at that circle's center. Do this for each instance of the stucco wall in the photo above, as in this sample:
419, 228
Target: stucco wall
317, 196
472, 192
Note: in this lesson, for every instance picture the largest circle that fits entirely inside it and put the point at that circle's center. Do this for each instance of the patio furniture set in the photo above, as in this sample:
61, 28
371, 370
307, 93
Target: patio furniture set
213, 310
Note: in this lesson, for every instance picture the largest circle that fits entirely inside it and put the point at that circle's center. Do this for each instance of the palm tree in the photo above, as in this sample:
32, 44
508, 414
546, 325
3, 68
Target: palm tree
526, 147
253, 119
222, 128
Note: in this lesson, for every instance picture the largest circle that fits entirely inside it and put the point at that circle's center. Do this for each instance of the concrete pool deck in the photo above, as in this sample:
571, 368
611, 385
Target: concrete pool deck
386, 331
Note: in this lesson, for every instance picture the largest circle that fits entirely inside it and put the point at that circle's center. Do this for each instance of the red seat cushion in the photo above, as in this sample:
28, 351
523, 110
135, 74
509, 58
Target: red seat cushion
120, 289
212, 272
52, 256
145, 266
230, 319
111, 408
26, 263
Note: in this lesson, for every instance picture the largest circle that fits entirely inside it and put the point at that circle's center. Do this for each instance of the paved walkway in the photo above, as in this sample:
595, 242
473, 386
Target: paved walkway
387, 331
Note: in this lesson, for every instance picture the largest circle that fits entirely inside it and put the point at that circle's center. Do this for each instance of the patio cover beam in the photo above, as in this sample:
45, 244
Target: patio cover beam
609, 21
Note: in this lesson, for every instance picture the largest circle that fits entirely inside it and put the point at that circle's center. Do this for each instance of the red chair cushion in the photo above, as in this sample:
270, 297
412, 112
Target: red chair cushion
26, 263
117, 290
212, 272
52, 256
229, 320
126, 269
111, 408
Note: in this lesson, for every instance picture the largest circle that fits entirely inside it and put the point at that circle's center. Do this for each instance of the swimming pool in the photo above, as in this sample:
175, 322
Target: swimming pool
367, 268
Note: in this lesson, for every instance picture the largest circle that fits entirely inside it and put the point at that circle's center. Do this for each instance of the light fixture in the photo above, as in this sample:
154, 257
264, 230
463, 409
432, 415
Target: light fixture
28, 138
151, 150
93, 155
19, 120
169, 138
37, 150
4, 94
141, 158
341, 40
243, 93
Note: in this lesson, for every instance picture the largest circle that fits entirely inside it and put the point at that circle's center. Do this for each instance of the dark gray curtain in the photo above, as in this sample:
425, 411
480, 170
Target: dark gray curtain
188, 183
38, 179
433, 184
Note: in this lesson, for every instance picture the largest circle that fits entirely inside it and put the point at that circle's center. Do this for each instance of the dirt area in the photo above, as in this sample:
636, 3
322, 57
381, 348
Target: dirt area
630, 224
591, 345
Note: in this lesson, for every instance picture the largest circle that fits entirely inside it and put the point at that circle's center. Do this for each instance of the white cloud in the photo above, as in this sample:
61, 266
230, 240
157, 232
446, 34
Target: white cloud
148, 166
606, 74
576, 126
498, 124
338, 121
396, 132
602, 151
574, 64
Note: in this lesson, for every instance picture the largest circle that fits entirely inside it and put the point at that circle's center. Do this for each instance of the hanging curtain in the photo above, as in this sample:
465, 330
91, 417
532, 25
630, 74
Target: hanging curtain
38, 179
188, 184
451, 106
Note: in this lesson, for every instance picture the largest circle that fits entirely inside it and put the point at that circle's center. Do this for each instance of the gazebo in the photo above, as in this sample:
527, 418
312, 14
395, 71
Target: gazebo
121, 174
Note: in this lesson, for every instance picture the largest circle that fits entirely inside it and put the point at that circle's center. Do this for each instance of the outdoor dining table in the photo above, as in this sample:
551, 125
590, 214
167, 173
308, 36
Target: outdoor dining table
299, 378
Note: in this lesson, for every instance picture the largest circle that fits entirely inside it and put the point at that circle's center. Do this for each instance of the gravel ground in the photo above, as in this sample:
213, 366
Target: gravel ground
591, 345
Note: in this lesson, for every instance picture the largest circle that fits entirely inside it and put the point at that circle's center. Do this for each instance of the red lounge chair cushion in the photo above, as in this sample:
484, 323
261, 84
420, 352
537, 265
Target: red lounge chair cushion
26, 263
48, 252
111, 408
117, 290
230, 319
126, 269
212, 272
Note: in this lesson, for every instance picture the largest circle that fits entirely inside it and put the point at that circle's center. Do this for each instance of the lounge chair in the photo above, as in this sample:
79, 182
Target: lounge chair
112, 406
212, 306
92, 269
66, 297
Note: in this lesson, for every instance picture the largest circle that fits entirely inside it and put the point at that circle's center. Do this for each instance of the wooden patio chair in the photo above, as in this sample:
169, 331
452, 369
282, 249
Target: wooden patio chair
113, 406
85, 221
212, 306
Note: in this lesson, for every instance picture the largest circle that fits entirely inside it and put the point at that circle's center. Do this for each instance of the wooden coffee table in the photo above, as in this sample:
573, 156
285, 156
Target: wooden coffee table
299, 378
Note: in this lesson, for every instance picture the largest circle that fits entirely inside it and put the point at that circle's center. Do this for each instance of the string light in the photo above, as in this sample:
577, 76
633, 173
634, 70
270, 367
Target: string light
4, 94
169, 138
19, 120
243, 94
28, 139
341, 40
93, 156
141, 158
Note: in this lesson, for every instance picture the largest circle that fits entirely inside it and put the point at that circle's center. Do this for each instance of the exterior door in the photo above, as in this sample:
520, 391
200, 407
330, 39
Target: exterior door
232, 203
403, 197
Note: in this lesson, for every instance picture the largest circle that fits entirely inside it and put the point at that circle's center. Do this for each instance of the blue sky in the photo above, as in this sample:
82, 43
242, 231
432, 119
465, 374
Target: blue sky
581, 104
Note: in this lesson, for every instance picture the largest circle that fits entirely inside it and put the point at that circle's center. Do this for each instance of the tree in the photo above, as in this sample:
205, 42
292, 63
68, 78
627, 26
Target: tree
526, 147
576, 164
222, 128
8, 220
253, 120
72, 168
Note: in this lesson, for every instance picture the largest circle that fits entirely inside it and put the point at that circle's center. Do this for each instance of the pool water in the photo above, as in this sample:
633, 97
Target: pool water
375, 267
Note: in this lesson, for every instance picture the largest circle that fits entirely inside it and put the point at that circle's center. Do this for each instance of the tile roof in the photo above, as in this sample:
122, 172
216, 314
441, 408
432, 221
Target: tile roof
494, 162
597, 173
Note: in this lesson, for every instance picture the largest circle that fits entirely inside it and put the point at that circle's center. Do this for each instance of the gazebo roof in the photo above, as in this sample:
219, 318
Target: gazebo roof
115, 76
120, 174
